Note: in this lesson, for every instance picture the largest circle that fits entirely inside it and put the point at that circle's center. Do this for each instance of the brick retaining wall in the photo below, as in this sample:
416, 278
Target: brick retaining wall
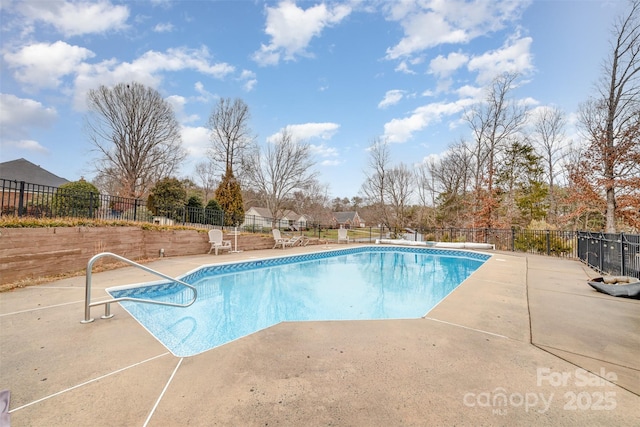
40, 252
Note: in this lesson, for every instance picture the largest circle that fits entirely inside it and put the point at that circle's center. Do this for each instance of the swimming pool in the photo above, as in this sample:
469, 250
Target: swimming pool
237, 299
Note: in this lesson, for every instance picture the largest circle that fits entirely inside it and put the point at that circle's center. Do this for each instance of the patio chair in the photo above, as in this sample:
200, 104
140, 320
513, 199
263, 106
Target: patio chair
300, 240
342, 235
215, 238
286, 241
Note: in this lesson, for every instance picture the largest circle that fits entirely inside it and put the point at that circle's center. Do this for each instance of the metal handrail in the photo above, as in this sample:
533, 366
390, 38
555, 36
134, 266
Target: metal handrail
107, 304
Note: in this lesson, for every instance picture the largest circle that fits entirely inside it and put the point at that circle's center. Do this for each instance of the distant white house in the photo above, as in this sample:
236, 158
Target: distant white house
262, 218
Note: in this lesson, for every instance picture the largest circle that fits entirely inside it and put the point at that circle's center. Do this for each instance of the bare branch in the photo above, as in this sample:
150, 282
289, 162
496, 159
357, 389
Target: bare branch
231, 136
136, 135
283, 168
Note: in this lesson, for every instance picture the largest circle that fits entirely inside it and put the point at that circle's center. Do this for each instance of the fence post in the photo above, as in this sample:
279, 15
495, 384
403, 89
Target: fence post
513, 239
548, 242
21, 199
600, 252
623, 264
91, 204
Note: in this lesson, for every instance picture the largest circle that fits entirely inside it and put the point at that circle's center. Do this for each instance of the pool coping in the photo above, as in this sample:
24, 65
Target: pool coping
495, 331
234, 266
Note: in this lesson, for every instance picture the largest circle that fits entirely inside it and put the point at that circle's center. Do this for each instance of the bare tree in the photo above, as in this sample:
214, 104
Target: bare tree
426, 189
205, 173
375, 185
398, 192
136, 135
313, 202
549, 139
494, 123
452, 177
231, 138
284, 167
584, 204
611, 120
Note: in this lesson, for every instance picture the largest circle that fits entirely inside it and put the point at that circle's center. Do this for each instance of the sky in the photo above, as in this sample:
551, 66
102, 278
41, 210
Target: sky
338, 74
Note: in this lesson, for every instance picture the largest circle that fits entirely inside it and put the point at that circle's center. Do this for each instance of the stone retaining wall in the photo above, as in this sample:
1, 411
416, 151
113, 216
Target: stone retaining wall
40, 252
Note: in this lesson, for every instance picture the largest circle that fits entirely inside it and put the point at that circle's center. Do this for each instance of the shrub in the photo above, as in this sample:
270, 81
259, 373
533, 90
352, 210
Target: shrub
78, 199
536, 241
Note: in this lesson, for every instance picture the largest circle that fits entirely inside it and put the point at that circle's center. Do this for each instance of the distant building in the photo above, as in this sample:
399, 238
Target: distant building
347, 219
262, 217
26, 188
24, 170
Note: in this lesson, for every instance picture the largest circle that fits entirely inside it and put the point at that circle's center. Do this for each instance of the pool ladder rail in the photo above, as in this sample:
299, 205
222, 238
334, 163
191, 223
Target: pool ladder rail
107, 304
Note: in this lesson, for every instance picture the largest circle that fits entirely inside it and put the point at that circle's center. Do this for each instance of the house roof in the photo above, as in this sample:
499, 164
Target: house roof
263, 212
291, 215
286, 214
24, 170
342, 217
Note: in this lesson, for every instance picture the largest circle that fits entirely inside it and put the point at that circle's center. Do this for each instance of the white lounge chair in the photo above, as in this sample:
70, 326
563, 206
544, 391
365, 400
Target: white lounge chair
215, 238
342, 235
287, 241
301, 240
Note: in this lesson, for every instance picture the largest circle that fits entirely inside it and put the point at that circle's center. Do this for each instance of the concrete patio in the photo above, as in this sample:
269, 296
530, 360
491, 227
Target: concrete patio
510, 346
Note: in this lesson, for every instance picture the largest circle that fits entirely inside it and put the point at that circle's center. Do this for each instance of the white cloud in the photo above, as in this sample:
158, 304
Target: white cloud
403, 67
27, 145
196, 141
147, 70
178, 103
401, 130
426, 30
432, 23
176, 59
327, 154
307, 131
291, 29
445, 66
323, 150
44, 64
249, 85
392, 97
205, 95
18, 117
23, 113
515, 56
249, 78
166, 4
467, 91
163, 27
77, 18
335, 162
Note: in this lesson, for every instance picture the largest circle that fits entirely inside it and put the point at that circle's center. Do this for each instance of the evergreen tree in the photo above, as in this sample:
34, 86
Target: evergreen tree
229, 196
195, 211
168, 198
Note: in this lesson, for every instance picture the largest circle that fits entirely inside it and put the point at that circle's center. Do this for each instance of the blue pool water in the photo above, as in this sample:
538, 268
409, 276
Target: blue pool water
235, 300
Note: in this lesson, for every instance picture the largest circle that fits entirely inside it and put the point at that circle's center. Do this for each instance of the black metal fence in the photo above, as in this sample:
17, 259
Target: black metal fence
616, 254
21, 198
546, 242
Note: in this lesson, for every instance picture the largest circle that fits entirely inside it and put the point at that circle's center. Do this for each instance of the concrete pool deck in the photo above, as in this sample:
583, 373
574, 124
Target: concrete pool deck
510, 346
